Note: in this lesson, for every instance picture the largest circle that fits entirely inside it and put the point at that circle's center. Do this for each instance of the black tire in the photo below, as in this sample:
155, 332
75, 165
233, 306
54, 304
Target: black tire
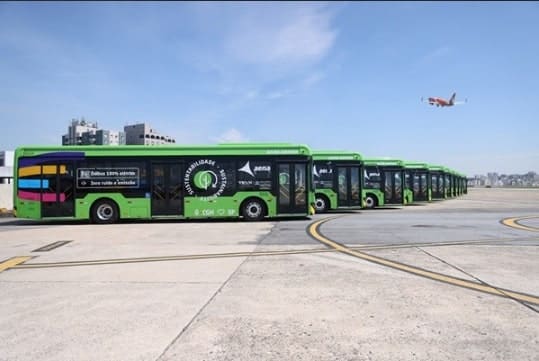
370, 201
105, 211
253, 209
321, 204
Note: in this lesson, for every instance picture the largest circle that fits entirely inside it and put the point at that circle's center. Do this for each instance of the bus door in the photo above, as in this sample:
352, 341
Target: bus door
57, 189
167, 189
408, 180
393, 186
349, 189
292, 188
437, 186
420, 186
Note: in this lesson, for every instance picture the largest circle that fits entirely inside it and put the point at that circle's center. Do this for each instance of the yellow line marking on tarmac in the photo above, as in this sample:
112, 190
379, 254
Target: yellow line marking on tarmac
246, 254
313, 231
513, 223
12, 262
167, 258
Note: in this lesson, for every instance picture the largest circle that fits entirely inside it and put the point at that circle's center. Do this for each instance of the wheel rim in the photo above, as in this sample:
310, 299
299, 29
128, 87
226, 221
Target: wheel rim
105, 212
369, 202
320, 204
253, 210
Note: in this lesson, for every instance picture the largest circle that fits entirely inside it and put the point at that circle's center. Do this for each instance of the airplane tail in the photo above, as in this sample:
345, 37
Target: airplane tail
452, 100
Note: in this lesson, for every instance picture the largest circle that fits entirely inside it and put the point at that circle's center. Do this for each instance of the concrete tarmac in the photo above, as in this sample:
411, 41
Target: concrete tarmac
384, 284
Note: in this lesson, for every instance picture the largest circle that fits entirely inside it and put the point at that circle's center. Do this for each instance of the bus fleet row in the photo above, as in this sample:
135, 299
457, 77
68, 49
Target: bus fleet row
383, 181
251, 181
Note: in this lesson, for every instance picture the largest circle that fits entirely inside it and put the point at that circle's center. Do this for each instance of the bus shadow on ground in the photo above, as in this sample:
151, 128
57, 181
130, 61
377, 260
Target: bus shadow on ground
210, 220
63, 222
30, 222
383, 208
343, 211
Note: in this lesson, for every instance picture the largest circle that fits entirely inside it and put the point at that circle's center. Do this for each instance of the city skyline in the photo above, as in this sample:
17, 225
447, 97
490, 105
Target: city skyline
331, 75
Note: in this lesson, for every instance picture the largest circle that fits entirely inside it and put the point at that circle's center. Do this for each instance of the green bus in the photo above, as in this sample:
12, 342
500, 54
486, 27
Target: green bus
457, 180
383, 182
107, 183
337, 180
416, 178
440, 181
463, 184
453, 181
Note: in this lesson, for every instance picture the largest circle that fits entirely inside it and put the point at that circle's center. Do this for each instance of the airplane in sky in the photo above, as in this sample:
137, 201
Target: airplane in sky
441, 102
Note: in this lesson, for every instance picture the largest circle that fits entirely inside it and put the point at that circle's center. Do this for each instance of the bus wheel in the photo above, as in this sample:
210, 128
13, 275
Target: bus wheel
370, 202
321, 204
104, 211
253, 210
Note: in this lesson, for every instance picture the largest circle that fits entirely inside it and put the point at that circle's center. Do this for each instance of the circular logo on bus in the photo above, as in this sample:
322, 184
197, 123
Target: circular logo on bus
204, 178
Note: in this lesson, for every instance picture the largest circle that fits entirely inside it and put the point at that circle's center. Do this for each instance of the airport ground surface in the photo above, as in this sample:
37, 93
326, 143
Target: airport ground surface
440, 281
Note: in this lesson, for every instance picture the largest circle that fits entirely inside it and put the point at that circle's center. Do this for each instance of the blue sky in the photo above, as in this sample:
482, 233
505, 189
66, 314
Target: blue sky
331, 75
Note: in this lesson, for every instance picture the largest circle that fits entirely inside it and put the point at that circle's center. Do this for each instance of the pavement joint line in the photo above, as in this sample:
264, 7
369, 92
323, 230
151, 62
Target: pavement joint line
12, 262
476, 278
514, 222
313, 230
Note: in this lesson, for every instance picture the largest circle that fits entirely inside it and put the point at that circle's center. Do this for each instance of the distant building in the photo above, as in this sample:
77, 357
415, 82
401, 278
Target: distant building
494, 179
82, 132
530, 179
477, 181
109, 137
6, 166
78, 132
143, 134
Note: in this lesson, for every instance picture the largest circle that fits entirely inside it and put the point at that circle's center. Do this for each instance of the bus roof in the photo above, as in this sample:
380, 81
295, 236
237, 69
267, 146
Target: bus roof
439, 168
169, 150
415, 165
335, 155
384, 162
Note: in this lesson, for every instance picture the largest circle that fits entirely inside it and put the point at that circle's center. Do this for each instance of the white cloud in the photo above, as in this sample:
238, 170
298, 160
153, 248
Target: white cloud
286, 35
313, 79
252, 94
435, 54
277, 94
231, 135
256, 52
